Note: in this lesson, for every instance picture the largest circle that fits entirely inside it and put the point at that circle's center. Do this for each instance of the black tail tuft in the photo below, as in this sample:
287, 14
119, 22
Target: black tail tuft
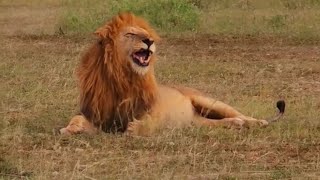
281, 105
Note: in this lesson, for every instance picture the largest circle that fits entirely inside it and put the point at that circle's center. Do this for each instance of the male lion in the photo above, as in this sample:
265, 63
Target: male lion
118, 90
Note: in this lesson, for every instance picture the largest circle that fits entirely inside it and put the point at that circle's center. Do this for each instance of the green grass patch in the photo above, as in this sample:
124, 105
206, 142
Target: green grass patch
165, 15
294, 19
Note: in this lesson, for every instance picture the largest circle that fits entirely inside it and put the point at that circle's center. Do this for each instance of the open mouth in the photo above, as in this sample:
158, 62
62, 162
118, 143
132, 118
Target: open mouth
142, 57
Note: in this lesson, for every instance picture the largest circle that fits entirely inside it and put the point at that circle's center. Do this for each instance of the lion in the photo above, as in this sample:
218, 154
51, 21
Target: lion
119, 91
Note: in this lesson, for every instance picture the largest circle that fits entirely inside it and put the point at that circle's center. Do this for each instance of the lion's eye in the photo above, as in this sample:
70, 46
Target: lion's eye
129, 34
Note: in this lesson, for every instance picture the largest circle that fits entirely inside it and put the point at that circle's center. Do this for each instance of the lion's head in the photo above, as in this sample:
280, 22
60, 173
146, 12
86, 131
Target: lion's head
116, 74
133, 39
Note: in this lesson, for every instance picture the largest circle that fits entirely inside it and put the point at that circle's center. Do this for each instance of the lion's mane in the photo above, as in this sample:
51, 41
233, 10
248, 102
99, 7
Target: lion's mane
111, 94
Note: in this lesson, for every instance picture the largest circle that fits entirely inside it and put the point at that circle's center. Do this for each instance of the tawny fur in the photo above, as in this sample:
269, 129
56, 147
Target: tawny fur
118, 95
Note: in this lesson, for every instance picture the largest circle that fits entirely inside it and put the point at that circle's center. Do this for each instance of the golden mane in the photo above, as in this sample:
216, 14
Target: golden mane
111, 95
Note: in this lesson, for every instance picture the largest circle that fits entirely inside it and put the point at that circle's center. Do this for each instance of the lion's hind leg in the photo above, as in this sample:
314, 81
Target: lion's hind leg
225, 122
79, 124
217, 110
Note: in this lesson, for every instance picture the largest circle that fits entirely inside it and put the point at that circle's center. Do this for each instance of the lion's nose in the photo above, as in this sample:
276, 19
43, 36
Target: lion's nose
148, 42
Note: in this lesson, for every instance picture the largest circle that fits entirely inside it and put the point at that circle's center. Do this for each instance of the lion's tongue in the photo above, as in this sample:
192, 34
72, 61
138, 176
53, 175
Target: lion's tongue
141, 57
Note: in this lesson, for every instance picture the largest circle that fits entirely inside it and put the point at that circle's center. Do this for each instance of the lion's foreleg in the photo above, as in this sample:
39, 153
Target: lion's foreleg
145, 126
79, 124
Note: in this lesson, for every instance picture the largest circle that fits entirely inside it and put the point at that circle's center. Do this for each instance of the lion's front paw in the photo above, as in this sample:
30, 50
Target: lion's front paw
134, 128
64, 131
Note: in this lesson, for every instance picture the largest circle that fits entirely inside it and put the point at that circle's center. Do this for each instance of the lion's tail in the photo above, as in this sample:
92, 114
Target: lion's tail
281, 105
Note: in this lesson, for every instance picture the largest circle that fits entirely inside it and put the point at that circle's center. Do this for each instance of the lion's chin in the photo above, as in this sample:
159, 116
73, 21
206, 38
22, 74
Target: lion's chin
141, 70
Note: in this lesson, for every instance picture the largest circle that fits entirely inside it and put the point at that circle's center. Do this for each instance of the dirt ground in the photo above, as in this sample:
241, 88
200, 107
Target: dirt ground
39, 92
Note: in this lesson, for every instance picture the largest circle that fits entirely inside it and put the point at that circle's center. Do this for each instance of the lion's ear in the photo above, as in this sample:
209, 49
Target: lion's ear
102, 32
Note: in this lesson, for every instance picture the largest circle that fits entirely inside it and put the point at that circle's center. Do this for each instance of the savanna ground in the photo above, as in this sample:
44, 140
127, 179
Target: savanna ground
246, 53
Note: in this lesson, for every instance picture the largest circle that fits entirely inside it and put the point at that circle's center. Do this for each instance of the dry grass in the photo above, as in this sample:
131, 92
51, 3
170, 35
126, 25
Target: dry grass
38, 93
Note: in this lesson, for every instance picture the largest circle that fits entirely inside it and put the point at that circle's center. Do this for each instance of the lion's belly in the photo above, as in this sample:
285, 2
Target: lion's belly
173, 109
